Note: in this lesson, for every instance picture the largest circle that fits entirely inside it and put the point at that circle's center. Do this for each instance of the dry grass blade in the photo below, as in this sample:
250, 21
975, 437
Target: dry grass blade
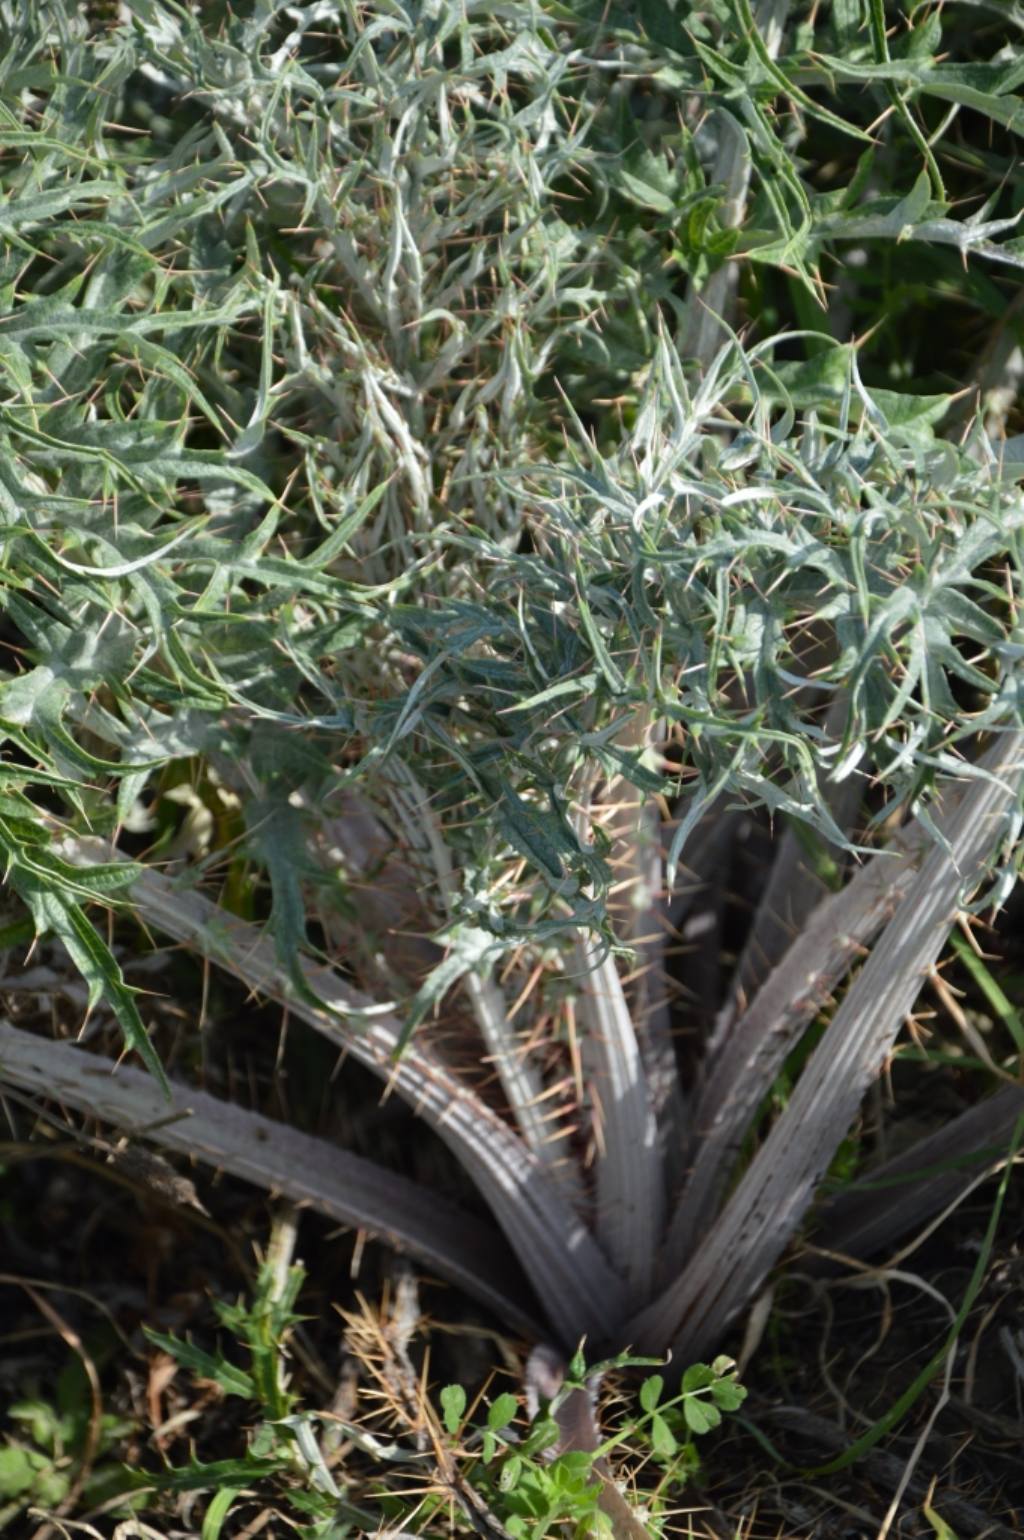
886, 1470
776, 1191
349, 1188
579, 1291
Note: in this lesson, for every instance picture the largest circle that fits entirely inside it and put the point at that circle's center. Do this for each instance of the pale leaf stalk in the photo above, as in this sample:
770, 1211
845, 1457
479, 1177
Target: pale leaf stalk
638, 862
520, 1080
579, 1291
730, 1262
832, 941
309, 1171
628, 1170
904, 1193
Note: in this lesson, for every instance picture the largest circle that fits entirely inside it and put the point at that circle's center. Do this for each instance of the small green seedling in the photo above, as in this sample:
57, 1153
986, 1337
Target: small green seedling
530, 1488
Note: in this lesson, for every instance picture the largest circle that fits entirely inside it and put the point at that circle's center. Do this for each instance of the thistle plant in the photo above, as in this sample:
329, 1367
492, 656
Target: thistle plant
384, 479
